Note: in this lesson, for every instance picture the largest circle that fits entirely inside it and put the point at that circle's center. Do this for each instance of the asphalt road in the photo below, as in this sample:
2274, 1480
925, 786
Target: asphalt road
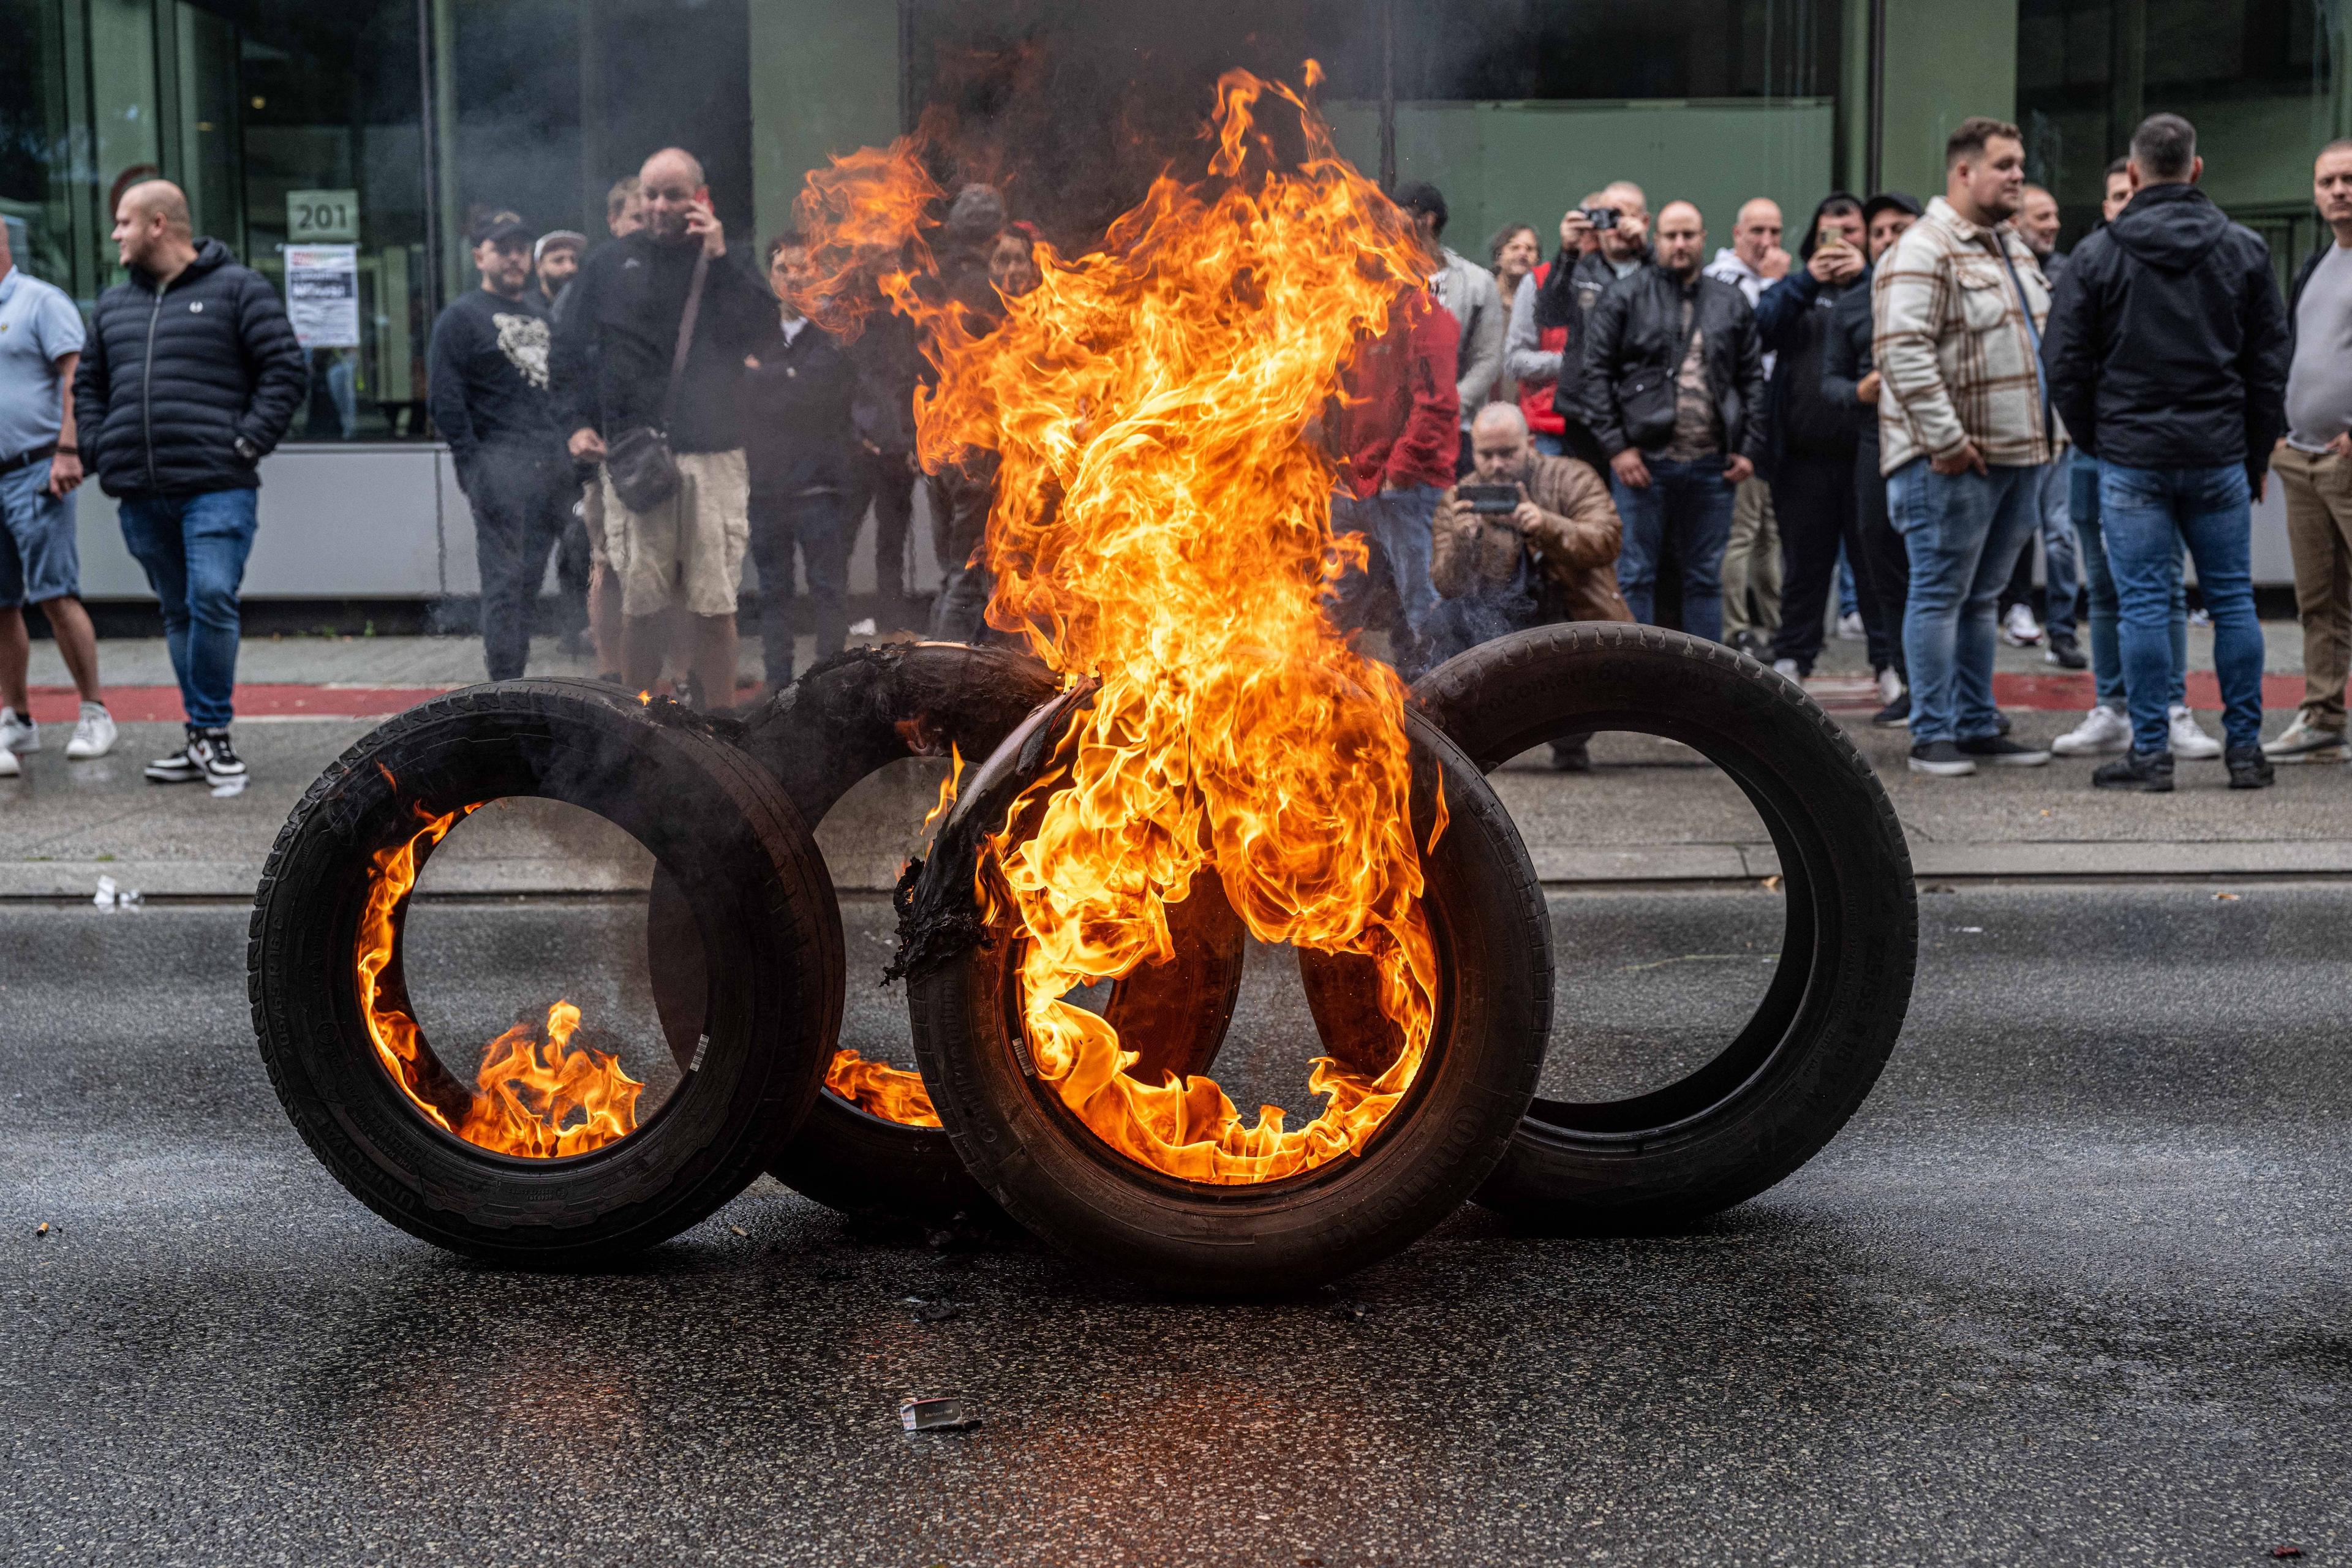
2073, 1287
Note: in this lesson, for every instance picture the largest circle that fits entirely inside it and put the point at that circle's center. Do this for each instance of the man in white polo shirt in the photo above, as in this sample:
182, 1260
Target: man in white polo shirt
40, 345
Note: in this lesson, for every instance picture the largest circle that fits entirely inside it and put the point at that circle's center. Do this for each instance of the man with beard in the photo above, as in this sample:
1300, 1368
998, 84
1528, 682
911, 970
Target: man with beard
654, 340
1674, 380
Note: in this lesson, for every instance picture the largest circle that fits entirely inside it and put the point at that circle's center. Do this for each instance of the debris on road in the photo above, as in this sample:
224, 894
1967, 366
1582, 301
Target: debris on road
2286, 1550
111, 896
2225, 898
938, 1413
42, 1228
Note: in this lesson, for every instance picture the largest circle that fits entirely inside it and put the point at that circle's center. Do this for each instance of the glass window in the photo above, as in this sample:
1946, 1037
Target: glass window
35, 141
2255, 77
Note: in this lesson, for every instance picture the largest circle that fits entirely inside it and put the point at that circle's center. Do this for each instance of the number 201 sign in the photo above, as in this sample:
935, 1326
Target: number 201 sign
321, 214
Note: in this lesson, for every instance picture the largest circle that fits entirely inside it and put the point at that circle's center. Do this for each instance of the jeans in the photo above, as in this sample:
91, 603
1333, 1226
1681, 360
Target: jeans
1549, 444
1814, 497
2061, 570
1690, 504
820, 524
522, 503
887, 480
1394, 591
1962, 531
2146, 515
2106, 655
961, 499
1884, 563
193, 549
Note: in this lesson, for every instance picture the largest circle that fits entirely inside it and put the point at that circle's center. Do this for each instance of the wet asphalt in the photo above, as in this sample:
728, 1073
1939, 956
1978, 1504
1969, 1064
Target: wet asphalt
2074, 1285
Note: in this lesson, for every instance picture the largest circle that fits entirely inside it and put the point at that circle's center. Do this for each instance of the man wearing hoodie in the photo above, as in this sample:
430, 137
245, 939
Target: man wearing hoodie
2166, 356
1468, 293
191, 375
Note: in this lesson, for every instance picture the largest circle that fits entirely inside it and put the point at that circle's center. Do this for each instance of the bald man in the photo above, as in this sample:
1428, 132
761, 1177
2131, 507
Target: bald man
1674, 383
191, 376
676, 549
1753, 262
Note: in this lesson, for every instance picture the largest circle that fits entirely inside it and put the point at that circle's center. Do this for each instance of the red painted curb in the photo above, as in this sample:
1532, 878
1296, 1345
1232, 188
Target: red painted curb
161, 704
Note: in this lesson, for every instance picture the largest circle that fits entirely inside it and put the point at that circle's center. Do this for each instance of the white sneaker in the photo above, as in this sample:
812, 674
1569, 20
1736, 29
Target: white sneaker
1850, 629
18, 734
2304, 742
1890, 685
2102, 732
1787, 666
93, 735
2018, 629
9, 766
2190, 743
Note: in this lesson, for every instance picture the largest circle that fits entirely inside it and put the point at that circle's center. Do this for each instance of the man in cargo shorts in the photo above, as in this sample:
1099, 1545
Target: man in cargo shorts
612, 360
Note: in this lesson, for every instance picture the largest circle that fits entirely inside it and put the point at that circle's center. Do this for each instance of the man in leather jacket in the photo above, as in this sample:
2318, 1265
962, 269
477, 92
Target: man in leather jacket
1673, 378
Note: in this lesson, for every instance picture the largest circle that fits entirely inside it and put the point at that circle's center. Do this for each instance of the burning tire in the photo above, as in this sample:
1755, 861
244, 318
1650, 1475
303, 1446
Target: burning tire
872, 1143
379, 1107
1807, 1059
1436, 1145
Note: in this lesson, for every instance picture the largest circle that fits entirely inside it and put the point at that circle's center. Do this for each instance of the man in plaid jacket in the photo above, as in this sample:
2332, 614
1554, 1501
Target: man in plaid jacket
1965, 429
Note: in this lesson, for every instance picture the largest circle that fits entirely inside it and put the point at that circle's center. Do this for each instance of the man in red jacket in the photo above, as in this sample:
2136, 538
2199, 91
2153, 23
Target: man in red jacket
1394, 438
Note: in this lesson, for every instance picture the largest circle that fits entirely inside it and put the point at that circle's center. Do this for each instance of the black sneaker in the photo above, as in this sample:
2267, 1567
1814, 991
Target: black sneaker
2001, 724
2148, 772
2248, 769
2003, 753
1895, 715
1942, 758
1572, 756
213, 752
2066, 653
181, 767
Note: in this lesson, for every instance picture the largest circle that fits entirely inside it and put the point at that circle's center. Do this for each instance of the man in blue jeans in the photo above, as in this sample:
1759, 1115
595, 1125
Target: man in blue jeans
1965, 435
1674, 383
2167, 341
192, 375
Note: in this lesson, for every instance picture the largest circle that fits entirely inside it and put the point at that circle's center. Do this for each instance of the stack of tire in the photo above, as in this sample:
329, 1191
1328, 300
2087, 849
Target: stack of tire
747, 954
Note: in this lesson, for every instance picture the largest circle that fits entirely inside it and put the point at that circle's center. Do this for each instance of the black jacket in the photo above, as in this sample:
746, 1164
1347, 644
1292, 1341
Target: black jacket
488, 377
609, 366
1566, 300
889, 364
171, 380
1636, 333
796, 422
2167, 344
1793, 320
1846, 359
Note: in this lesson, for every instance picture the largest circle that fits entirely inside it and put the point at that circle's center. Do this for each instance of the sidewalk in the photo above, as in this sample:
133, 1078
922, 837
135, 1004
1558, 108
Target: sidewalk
1651, 812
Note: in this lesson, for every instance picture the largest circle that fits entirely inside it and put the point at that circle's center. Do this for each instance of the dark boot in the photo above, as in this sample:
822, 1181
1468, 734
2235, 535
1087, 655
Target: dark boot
2248, 769
1570, 756
2148, 772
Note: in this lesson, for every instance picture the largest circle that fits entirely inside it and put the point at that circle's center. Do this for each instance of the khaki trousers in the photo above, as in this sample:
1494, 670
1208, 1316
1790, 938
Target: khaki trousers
2319, 535
1751, 561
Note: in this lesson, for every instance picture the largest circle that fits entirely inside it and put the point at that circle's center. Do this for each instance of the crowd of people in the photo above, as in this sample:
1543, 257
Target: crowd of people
1887, 415
1899, 410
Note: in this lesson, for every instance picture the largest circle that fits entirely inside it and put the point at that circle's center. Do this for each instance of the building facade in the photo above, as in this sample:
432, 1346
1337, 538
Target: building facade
343, 149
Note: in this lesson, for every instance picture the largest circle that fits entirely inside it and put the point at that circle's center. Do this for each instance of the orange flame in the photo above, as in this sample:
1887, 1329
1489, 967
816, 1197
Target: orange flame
877, 1088
1162, 523
532, 1081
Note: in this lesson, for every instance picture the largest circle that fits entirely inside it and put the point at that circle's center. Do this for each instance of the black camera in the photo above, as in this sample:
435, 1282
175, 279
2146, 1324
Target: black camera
1600, 217
1489, 500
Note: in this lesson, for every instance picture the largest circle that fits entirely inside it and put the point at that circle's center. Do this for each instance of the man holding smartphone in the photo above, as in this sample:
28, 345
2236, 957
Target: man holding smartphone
611, 372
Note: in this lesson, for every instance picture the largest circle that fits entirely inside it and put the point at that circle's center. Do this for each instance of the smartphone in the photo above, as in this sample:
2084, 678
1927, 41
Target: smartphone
1600, 217
1489, 500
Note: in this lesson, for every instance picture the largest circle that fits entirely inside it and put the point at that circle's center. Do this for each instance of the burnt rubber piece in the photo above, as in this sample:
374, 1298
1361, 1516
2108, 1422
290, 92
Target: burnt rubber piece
1437, 1146
845, 720
714, 821
1804, 1063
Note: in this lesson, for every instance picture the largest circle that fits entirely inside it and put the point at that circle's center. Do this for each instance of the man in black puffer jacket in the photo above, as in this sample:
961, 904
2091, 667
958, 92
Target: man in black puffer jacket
191, 376
2167, 357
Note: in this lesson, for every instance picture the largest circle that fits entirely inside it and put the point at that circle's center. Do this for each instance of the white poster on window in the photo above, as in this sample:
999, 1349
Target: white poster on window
322, 295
